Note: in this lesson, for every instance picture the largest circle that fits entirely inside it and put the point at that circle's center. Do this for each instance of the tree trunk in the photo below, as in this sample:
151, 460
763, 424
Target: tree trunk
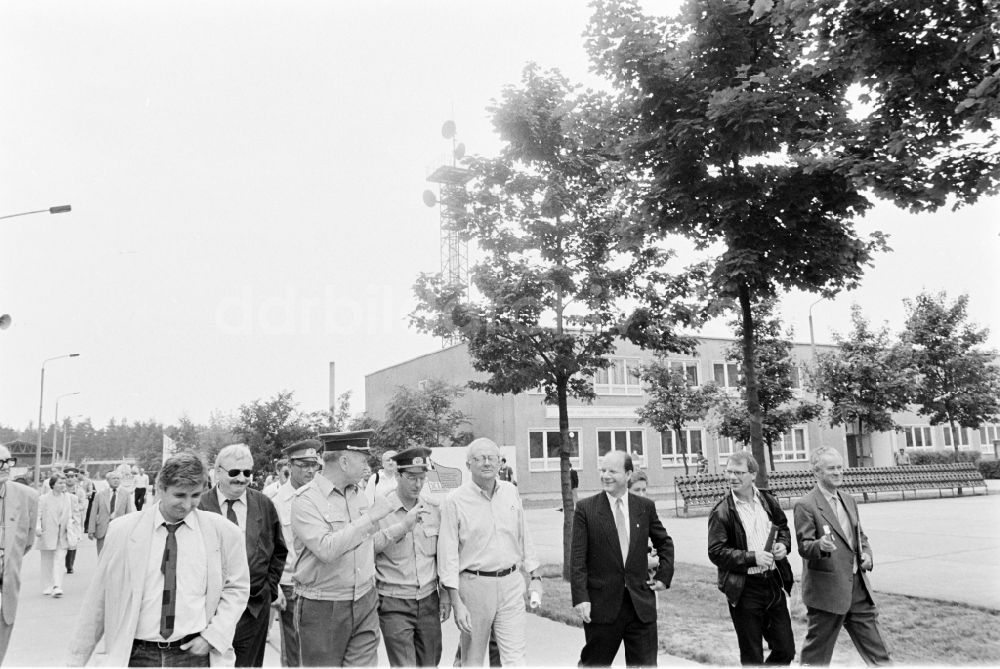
564, 477
682, 447
954, 435
750, 377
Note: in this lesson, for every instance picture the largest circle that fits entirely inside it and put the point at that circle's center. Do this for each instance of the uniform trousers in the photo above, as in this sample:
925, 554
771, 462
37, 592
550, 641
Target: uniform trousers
289, 635
338, 633
411, 629
861, 621
762, 613
495, 603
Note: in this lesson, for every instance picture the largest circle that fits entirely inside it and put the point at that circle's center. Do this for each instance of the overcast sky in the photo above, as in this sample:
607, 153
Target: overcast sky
246, 184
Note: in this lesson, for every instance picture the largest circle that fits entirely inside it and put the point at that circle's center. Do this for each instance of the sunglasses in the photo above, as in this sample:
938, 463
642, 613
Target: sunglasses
233, 473
9, 462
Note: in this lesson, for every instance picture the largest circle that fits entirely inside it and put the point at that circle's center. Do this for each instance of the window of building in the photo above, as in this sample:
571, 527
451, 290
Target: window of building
621, 377
792, 446
726, 374
689, 368
543, 450
961, 433
630, 441
691, 443
918, 436
727, 447
987, 435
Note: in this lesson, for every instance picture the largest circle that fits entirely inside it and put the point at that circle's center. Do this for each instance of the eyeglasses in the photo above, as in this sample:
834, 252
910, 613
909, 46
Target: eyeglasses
306, 464
730, 472
233, 473
413, 478
8, 463
481, 459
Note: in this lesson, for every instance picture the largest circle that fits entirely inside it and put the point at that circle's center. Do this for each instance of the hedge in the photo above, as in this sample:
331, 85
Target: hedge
943, 457
990, 469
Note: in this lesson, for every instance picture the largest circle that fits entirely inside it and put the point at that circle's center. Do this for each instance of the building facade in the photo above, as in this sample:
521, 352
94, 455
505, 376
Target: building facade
530, 428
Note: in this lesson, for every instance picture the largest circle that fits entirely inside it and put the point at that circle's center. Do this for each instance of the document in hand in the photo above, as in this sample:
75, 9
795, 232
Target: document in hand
771, 536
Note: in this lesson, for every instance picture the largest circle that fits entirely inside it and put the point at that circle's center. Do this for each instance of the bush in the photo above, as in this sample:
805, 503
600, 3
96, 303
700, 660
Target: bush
943, 456
990, 469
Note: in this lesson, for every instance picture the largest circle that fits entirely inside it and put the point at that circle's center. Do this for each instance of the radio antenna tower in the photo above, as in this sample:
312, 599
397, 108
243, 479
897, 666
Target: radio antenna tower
451, 180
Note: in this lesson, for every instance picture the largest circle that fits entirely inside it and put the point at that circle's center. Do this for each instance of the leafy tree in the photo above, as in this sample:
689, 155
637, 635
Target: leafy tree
957, 382
744, 128
423, 417
548, 218
268, 426
319, 422
776, 374
865, 380
673, 402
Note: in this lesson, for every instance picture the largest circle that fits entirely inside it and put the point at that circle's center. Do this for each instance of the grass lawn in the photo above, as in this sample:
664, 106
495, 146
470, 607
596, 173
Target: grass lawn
694, 623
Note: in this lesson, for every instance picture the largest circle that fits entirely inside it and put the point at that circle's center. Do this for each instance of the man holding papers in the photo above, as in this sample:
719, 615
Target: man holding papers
748, 540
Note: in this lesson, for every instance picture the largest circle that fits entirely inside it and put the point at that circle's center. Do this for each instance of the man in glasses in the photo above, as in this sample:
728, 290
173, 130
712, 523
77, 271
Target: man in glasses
109, 503
335, 525
260, 525
18, 515
303, 463
410, 608
482, 545
749, 540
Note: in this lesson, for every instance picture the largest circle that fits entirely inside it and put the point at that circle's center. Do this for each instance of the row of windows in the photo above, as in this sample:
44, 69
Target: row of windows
543, 447
922, 436
621, 377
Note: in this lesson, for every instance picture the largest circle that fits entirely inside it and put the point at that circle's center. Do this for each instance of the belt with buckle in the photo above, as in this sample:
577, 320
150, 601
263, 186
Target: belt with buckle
494, 574
164, 645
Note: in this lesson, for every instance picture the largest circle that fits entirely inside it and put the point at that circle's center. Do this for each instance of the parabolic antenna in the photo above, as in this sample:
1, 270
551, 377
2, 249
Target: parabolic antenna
4, 321
448, 129
430, 199
459, 151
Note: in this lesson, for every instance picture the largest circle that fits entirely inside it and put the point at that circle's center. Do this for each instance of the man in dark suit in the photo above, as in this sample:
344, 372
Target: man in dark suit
612, 592
258, 519
836, 557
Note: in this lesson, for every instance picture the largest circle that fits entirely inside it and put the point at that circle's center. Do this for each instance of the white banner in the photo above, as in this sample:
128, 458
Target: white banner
169, 447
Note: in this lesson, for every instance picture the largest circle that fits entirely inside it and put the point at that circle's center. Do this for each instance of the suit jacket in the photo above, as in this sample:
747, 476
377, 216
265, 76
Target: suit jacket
54, 514
21, 514
113, 600
100, 514
597, 573
265, 547
727, 545
827, 578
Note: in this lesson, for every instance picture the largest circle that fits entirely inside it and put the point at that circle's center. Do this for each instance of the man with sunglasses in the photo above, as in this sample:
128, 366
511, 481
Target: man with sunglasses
303, 463
18, 515
410, 608
258, 520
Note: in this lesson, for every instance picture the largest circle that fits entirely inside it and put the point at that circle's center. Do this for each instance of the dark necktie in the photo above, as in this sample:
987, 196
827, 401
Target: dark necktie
168, 568
230, 513
112, 505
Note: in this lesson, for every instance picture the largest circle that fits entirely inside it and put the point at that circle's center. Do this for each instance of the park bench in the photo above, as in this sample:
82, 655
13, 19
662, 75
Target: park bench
704, 490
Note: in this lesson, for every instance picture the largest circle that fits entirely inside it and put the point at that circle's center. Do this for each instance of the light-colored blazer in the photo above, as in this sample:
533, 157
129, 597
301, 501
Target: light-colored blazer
54, 514
112, 603
101, 514
21, 513
827, 578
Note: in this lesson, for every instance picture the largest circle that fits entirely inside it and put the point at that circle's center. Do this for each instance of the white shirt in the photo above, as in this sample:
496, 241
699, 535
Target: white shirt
614, 501
756, 525
192, 582
386, 484
282, 499
239, 507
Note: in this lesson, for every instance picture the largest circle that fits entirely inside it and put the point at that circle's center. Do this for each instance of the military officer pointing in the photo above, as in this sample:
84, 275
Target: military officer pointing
334, 527
411, 604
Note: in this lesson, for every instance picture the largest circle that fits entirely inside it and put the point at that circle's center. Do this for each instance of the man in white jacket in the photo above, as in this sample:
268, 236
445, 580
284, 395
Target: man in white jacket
172, 581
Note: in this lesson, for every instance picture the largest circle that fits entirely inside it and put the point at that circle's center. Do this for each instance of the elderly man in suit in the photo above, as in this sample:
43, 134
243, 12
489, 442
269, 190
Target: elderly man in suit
110, 503
836, 557
170, 584
260, 525
19, 506
612, 590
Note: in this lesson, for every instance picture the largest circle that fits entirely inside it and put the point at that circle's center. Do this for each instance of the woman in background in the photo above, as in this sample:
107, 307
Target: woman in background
54, 515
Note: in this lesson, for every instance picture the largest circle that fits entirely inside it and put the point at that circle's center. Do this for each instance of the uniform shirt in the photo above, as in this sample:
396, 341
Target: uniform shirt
239, 508
385, 485
192, 582
333, 539
406, 562
482, 533
756, 525
283, 504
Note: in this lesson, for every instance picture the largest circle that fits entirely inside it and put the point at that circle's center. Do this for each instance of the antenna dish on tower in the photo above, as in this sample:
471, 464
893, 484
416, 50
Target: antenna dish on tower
4, 321
430, 199
448, 129
459, 151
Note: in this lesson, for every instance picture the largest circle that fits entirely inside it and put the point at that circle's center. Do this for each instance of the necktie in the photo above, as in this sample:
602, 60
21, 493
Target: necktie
230, 514
168, 568
622, 530
845, 523
112, 505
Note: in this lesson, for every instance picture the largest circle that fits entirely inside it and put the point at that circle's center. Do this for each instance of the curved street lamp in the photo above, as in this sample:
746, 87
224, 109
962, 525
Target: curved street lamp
41, 399
60, 209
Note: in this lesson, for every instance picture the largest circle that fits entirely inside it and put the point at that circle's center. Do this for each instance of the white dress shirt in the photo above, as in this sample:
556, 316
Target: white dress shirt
239, 507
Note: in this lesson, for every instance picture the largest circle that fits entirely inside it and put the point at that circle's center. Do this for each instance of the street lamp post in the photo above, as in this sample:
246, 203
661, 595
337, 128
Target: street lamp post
41, 399
55, 424
812, 339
